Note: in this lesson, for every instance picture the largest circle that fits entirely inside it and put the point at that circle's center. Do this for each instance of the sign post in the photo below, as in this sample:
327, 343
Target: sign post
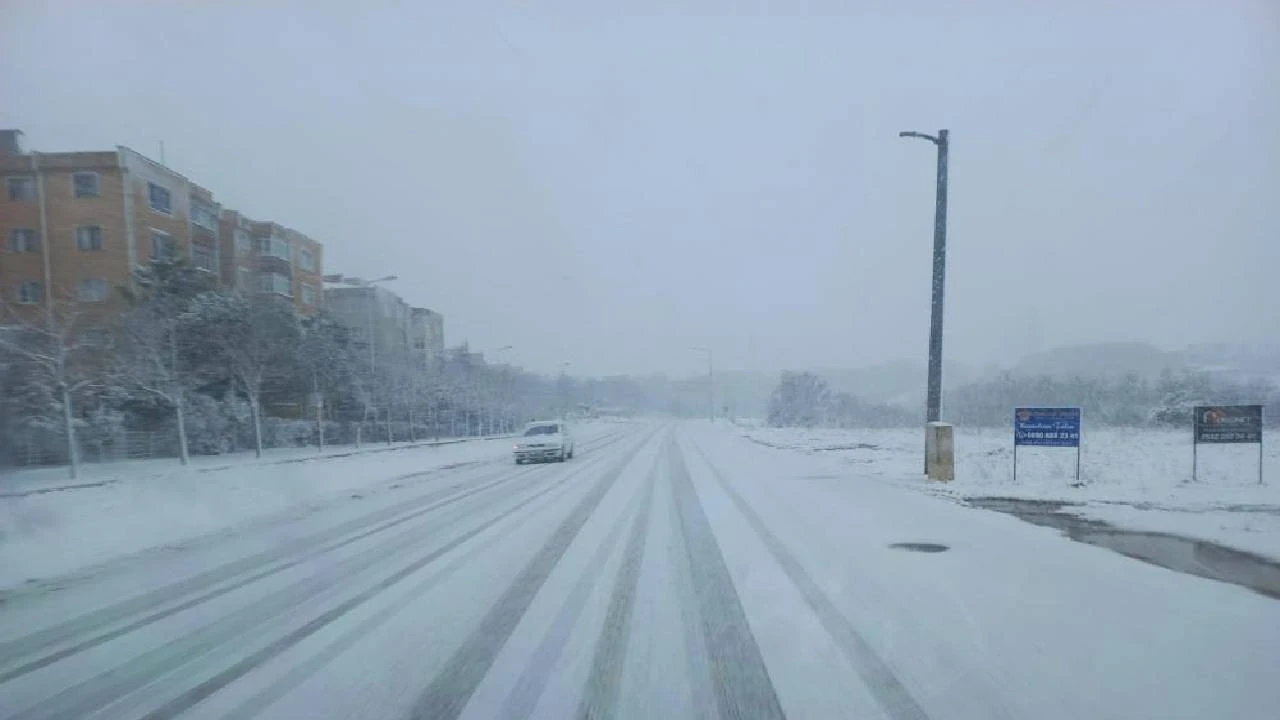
1046, 427
1226, 424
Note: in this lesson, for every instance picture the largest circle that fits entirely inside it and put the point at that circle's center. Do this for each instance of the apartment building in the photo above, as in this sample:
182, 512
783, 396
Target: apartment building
264, 256
75, 225
426, 334
375, 314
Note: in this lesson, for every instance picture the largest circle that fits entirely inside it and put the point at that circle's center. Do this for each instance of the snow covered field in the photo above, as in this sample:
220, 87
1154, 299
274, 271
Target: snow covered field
116, 509
1134, 478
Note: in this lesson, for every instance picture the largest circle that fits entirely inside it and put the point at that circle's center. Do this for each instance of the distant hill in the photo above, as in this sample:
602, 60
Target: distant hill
1237, 362
1099, 359
900, 382
1142, 359
897, 381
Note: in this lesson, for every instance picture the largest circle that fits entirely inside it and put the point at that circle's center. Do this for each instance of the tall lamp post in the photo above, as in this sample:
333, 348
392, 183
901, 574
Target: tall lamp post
933, 403
711, 383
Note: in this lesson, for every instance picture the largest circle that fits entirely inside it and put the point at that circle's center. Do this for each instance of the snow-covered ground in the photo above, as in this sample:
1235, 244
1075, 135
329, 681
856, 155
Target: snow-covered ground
667, 571
50, 525
1133, 478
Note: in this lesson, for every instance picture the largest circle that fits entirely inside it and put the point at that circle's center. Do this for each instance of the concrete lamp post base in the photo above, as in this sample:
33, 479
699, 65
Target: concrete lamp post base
940, 451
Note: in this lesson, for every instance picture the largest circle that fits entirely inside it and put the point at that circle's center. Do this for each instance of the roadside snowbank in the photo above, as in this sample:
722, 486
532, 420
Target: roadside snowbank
1134, 478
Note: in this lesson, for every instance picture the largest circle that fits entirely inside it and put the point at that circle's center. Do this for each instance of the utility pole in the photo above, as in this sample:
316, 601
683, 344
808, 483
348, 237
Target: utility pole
933, 402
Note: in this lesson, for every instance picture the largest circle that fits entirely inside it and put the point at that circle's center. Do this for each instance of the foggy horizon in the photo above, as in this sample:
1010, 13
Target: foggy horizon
733, 180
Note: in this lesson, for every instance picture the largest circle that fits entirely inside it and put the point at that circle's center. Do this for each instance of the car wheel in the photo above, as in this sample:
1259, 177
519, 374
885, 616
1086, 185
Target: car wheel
519, 461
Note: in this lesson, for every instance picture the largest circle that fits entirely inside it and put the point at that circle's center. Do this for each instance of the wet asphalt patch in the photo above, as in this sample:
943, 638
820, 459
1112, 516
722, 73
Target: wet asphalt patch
1173, 552
920, 547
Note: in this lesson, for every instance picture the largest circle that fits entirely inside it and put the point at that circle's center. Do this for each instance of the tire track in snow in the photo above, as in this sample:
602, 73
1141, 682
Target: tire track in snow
600, 698
22, 646
261, 700
880, 679
528, 688
451, 689
196, 694
98, 620
738, 673
241, 625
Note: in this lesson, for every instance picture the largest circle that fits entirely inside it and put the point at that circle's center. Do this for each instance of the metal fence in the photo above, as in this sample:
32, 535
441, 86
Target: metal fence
36, 448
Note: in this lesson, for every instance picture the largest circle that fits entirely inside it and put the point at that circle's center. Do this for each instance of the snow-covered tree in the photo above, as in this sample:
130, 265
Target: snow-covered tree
59, 357
325, 359
247, 340
151, 357
801, 398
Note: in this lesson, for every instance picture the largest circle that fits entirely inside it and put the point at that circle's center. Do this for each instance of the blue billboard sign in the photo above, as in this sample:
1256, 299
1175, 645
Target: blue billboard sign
1047, 427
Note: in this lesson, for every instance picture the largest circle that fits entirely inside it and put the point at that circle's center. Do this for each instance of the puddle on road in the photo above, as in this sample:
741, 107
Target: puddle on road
920, 547
1185, 555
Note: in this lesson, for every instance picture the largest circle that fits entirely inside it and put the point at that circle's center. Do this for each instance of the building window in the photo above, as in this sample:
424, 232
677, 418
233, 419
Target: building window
309, 294
275, 283
163, 249
86, 184
159, 199
24, 240
92, 290
202, 257
246, 278
243, 246
204, 216
306, 260
89, 237
21, 188
274, 246
29, 292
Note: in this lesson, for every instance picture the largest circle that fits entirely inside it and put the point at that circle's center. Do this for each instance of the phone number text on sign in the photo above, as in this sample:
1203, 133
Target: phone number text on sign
1048, 427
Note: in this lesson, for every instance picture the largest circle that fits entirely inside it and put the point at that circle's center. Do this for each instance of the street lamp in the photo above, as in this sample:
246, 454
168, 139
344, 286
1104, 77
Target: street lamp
711, 384
933, 403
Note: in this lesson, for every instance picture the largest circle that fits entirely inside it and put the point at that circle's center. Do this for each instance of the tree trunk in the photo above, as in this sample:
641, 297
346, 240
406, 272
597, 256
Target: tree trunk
257, 424
69, 425
179, 408
183, 456
319, 403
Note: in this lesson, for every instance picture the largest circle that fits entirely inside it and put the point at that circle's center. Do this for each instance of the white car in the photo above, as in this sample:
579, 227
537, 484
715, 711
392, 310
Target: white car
545, 440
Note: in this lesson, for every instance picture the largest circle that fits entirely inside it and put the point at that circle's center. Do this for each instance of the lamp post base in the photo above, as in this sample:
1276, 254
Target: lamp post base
939, 451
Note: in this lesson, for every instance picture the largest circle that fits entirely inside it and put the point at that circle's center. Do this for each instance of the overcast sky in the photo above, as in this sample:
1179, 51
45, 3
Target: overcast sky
610, 189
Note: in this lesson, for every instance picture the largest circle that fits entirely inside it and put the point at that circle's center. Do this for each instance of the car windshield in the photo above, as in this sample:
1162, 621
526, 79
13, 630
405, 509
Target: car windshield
542, 430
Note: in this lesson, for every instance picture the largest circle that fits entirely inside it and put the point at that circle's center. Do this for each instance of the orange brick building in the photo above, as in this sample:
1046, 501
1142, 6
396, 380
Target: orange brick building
74, 225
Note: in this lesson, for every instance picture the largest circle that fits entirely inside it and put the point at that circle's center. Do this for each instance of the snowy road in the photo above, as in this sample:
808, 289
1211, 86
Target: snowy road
668, 571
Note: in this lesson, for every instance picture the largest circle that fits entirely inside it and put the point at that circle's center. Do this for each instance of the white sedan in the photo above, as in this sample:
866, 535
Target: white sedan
549, 440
